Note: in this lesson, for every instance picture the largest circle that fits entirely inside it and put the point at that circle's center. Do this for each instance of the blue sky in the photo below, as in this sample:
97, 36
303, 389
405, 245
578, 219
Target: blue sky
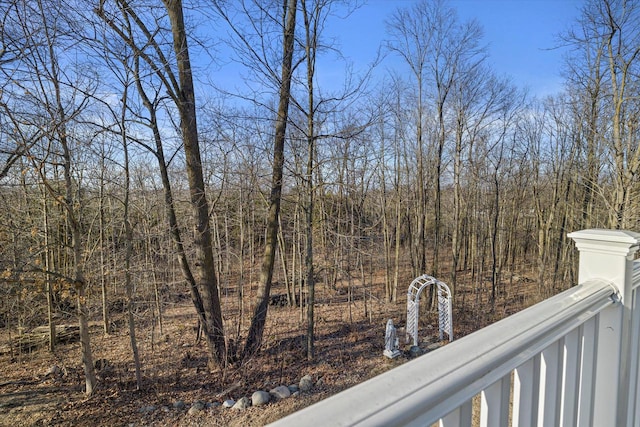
521, 35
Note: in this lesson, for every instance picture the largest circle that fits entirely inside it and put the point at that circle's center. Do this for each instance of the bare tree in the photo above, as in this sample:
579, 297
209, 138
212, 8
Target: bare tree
58, 92
411, 32
204, 262
439, 50
202, 276
608, 44
256, 329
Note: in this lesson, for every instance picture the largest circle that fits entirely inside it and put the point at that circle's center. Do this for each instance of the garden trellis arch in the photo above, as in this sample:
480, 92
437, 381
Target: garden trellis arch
445, 316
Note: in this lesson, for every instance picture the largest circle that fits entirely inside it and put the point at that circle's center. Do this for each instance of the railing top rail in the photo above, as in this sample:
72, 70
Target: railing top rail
429, 387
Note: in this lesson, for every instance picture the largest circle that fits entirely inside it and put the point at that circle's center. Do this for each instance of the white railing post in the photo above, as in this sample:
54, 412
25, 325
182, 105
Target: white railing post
609, 255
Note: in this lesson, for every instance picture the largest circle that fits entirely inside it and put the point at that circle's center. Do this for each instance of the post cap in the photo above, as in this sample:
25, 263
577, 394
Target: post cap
620, 242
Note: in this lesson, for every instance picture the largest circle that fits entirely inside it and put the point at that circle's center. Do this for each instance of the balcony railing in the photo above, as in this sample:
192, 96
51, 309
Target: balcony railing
571, 360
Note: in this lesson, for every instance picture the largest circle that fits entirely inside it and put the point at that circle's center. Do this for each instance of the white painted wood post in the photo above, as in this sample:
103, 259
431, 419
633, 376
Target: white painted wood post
609, 255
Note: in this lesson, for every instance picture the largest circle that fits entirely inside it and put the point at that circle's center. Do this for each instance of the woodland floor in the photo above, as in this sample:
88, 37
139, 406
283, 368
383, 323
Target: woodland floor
349, 346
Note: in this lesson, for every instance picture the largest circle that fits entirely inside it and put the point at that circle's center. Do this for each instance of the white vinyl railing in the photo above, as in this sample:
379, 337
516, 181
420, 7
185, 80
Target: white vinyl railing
571, 360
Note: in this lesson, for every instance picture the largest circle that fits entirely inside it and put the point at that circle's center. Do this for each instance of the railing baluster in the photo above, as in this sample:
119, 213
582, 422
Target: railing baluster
587, 369
570, 378
525, 380
549, 385
634, 408
494, 403
461, 417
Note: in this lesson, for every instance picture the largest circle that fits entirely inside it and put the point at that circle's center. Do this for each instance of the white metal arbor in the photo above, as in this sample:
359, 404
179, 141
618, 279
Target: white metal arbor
445, 321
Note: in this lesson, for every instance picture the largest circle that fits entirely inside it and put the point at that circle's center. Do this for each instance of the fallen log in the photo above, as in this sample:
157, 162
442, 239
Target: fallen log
39, 337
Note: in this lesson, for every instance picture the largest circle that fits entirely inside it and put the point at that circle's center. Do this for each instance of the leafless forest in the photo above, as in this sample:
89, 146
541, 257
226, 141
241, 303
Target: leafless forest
131, 181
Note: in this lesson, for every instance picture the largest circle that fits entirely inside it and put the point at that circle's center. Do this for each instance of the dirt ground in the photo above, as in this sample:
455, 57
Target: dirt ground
349, 346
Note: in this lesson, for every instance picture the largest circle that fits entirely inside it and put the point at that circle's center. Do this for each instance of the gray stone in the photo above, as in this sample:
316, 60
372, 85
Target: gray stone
295, 393
306, 383
196, 407
147, 409
178, 404
280, 392
415, 351
242, 403
228, 403
53, 371
259, 398
215, 404
293, 388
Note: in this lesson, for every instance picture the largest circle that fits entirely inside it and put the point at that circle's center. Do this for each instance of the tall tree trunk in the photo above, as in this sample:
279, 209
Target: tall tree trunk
494, 241
311, 37
421, 248
256, 329
77, 276
48, 269
69, 204
103, 276
129, 247
386, 234
438, 202
169, 206
308, 259
457, 203
204, 260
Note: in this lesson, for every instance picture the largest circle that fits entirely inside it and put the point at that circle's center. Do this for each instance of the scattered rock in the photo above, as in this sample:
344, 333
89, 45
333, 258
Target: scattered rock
243, 403
259, 398
229, 403
179, 404
197, 406
306, 383
53, 371
415, 351
280, 392
147, 409
293, 388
